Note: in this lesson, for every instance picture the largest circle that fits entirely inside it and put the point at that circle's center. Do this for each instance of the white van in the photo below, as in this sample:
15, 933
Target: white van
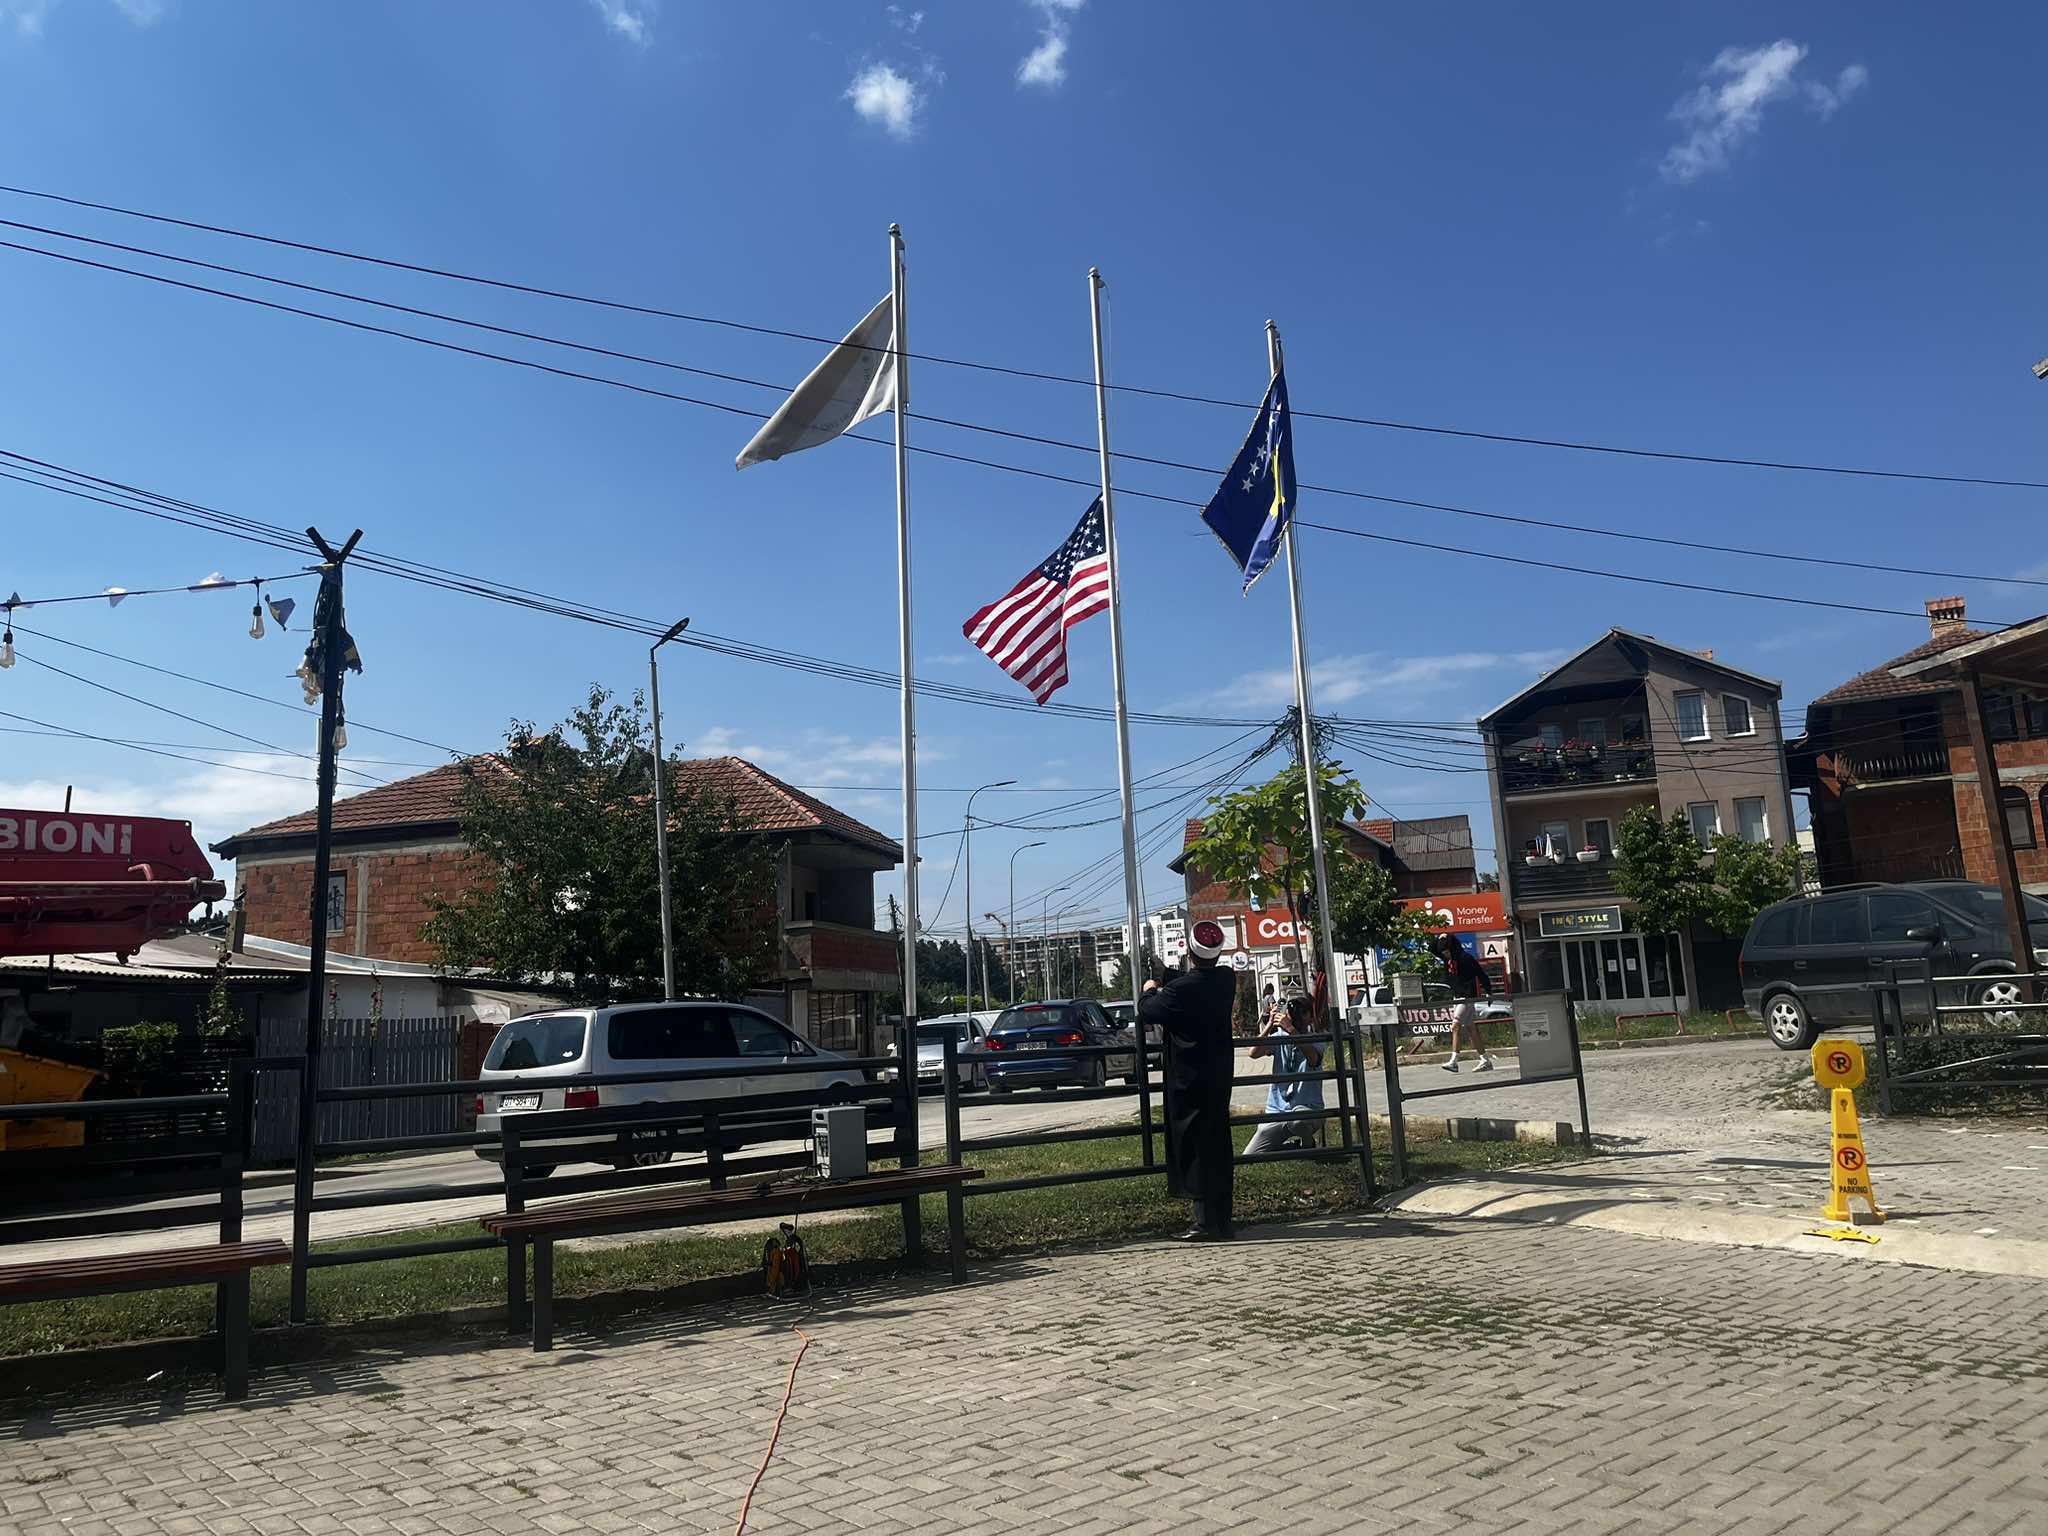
642, 1037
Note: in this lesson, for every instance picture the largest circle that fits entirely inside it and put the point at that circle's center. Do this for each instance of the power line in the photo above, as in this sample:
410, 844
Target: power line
116, 741
1185, 397
966, 426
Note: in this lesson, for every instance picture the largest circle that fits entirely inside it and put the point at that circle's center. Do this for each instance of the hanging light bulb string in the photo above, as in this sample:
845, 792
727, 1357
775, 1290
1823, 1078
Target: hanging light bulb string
115, 596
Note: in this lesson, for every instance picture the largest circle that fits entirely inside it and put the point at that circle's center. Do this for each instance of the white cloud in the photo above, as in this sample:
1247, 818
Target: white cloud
631, 19
1046, 65
144, 13
887, 98
1341, 680
816, 757
906, 22
25, 16
1725, 111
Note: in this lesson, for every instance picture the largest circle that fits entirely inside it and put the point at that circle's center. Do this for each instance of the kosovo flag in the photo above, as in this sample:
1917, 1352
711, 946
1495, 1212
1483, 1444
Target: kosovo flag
1250, 509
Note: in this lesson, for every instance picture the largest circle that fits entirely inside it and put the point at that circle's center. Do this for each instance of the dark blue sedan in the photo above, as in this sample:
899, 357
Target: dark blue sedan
1031, 1045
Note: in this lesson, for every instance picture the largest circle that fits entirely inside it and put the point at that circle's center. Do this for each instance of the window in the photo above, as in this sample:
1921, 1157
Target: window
836, 1019
2019, 818
1593, 732
1752, 825
1600, 834
1632, 730
1552, 735
1838, 920
1556, 840
1692, 717
2001, 717
756, 1036
337, 901
1776, 929
1706, 821
2037, 717
1893, 915
1735, 715
671, 1034
539, 1040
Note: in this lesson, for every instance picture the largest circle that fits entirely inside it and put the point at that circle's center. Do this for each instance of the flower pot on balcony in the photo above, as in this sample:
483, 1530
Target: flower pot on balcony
1589, 855
1534, 859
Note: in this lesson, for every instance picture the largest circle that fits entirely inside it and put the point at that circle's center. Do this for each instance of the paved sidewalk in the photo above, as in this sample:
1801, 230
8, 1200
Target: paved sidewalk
1700, 1147
1356, 1375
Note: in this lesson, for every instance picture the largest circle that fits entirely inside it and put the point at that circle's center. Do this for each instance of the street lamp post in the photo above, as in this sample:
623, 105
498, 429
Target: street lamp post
997, 918
1059, 925
668, 937
967, 853
1044, 938
1010, 928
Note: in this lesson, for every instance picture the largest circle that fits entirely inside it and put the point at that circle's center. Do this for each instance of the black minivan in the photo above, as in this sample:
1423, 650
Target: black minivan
1810, 962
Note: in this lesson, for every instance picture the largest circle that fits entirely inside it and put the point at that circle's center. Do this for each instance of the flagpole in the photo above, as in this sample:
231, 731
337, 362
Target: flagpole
899, 345
1335, 993
1133, 895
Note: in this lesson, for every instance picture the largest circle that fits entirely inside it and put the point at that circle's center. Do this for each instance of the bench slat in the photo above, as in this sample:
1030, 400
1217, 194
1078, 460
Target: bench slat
162, 1267
681, 1207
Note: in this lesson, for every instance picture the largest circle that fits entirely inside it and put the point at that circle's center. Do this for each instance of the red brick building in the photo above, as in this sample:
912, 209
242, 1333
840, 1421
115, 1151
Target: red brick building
399, 844
1891, 783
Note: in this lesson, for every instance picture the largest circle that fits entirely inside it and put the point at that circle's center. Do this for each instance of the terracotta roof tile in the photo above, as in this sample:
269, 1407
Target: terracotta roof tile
1878, 682
764, 803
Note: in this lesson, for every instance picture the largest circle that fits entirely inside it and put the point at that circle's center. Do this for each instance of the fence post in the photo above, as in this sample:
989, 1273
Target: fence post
956, 1203
1366, 1169
302, 1188
1887, 1000
1397, 1118
515, 1201
906, 1136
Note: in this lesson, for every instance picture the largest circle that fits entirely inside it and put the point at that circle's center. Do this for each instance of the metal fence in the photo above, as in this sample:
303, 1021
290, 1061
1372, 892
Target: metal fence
1971, 1038
358, 1053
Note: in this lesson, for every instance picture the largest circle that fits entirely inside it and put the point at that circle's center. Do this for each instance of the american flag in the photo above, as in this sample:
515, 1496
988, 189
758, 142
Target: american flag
1025, 631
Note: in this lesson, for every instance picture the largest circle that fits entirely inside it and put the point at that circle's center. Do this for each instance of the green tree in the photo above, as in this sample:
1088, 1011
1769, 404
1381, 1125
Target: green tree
1365, 911
1409, 943
562, 825
1747, 877
1660, 866
1258, 841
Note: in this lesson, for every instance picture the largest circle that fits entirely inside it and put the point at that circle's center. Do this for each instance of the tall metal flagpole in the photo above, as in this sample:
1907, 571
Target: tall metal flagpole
1133, 896
902, 390
1335, 994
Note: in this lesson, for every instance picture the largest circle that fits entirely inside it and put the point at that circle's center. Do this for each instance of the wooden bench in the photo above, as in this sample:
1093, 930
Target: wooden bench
657, 1210
96, 1190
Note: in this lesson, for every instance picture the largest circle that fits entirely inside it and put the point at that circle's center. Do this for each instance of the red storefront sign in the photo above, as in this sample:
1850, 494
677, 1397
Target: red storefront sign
1478, 912
1270, 929
73, 882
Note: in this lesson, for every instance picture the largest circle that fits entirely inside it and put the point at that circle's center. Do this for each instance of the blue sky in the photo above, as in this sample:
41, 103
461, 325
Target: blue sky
1804, 233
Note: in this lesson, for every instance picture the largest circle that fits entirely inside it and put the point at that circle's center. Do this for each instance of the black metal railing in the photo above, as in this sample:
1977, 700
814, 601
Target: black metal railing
1568, 877
1527, 768
1898, 763
1959, 1037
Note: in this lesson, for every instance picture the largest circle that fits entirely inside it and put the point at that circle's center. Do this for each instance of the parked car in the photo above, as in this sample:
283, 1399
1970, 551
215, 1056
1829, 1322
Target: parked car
1025, 1047
1810, 962
643, 1037
968, 1030
1124, 1015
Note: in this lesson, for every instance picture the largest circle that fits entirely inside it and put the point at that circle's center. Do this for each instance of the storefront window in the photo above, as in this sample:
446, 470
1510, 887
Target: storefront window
836, 1019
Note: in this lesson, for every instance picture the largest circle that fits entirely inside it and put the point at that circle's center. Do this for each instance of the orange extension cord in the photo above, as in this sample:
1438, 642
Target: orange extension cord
780, 1414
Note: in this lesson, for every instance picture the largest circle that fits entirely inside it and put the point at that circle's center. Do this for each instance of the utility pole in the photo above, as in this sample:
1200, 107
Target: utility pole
668, 932
327, 654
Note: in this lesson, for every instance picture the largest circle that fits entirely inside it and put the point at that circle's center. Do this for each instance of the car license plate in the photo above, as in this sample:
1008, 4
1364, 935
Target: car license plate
1030, 1045
511, 1102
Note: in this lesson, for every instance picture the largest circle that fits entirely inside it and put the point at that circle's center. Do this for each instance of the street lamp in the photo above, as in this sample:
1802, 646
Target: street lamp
1059, 924
668, 937
997, 919
1009, 952
967, 853
1044, 941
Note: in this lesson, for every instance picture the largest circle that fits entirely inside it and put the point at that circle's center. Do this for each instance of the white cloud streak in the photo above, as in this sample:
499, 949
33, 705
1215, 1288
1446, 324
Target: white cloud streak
1725, 111
887, 98
631, 19
1345, 679
1046, 65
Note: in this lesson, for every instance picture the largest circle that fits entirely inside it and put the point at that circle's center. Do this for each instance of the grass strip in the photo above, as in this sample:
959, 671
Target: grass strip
1001, 1225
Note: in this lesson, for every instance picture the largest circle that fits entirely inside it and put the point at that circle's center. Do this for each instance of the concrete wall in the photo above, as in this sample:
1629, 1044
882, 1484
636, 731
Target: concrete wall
1723, 768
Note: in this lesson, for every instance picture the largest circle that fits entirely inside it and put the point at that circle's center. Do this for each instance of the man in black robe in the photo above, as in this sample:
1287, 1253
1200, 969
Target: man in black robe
1192, 1010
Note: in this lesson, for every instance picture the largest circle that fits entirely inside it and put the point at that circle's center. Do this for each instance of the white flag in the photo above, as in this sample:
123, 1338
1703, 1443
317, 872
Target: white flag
856, 380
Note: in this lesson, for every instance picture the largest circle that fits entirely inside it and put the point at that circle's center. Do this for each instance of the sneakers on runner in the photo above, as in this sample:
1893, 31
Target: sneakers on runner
1486, 1064
1451, 1065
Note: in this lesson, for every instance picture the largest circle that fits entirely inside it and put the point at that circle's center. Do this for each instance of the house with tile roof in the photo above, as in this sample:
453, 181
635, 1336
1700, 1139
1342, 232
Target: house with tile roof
1890, 780
401, 843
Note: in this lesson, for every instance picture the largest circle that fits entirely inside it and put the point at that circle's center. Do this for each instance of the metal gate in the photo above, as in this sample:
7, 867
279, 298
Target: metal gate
1959, 1038
358, 1053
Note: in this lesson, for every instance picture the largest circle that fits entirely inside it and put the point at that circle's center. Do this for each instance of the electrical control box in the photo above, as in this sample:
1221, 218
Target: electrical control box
839, 1142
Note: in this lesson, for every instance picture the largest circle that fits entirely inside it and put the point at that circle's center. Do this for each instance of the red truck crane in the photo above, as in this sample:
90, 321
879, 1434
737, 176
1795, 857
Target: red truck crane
71, 883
